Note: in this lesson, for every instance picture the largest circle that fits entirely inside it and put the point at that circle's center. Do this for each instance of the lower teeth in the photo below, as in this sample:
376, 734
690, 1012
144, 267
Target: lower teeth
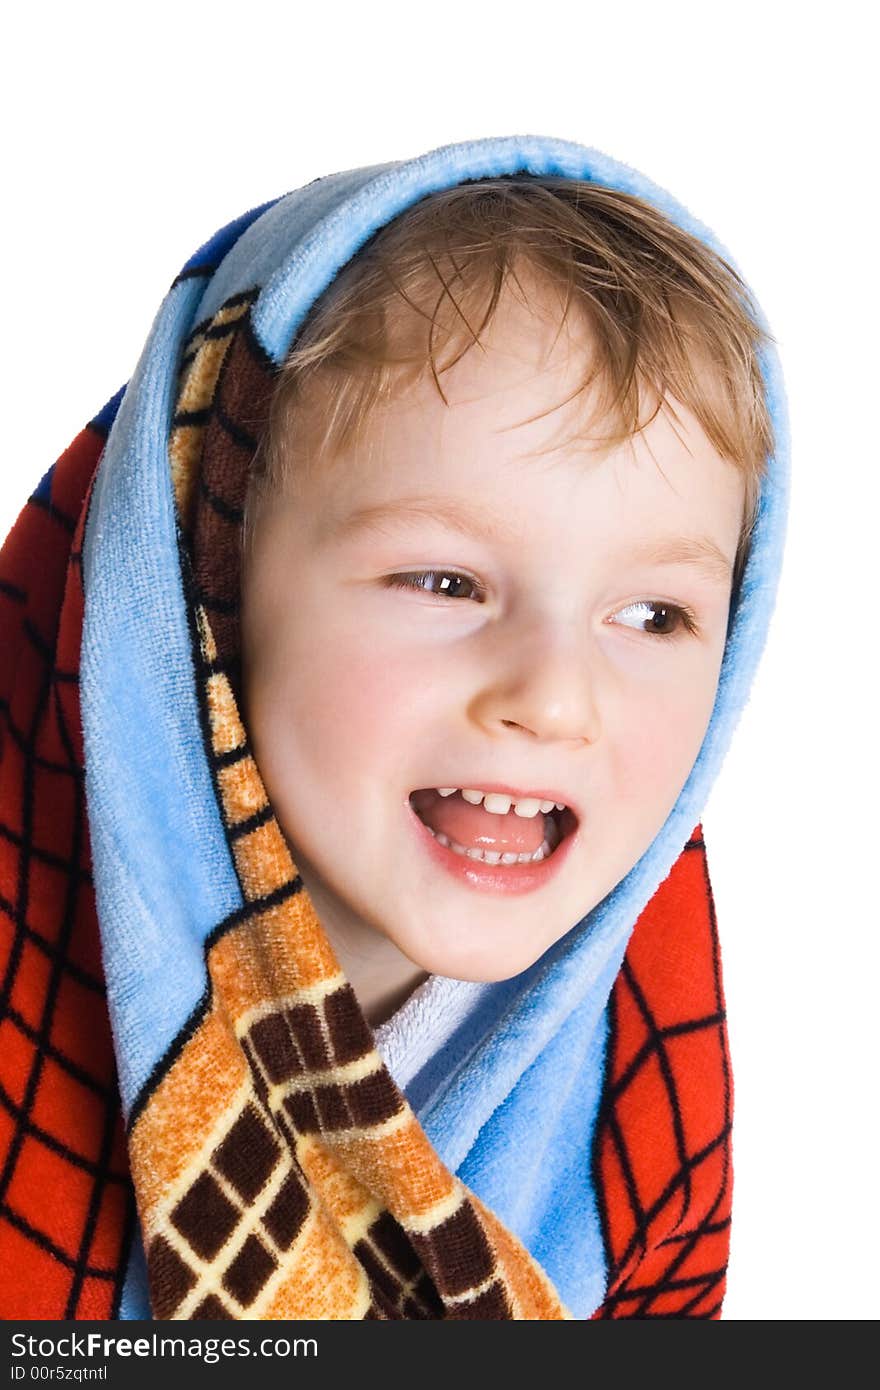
490, 856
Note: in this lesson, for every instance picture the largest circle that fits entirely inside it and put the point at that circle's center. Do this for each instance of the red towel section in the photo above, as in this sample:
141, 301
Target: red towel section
66, 1206
662, 1146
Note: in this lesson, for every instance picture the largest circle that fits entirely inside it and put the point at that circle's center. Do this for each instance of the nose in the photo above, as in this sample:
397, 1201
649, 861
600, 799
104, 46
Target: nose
542, 683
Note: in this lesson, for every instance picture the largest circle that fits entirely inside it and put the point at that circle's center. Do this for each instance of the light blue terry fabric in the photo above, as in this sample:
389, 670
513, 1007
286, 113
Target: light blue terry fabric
163, 874
533, 1046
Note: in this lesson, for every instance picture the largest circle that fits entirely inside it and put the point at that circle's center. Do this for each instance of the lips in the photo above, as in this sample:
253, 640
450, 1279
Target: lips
491, 874
508, 825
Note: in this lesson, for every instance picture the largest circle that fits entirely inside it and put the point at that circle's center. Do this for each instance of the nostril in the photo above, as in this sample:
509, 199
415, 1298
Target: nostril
523, 728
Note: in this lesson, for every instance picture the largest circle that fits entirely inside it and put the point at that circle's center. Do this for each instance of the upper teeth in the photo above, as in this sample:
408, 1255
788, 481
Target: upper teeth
499, 804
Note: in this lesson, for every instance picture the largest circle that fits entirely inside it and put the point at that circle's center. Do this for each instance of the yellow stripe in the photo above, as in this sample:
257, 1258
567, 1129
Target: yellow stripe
425, 1221
263, 861
206, 637
471, 1295
227, 730
242, 790
184, 451
201, 379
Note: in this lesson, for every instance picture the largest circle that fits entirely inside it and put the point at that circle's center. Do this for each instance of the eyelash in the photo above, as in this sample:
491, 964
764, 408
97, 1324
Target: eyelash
412, 580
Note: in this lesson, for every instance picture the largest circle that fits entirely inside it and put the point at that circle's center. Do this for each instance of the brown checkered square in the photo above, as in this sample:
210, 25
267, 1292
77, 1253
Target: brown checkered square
301, 1109
373, 1099
276, 1049
305, 1025
170, 1279
205, 1217
248, 1154
212, 1309
349, 1035
249, 1271
391, 1242
287, 1212
457, 1252
333, 1111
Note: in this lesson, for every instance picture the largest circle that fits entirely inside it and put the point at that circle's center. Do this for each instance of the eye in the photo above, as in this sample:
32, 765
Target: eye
451, 584
658, 619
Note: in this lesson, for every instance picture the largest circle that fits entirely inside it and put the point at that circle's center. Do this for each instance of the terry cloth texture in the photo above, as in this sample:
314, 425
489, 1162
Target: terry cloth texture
554, 1146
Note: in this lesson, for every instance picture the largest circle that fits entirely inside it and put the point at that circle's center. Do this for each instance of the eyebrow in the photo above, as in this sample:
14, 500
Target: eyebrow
699, 552
410, 511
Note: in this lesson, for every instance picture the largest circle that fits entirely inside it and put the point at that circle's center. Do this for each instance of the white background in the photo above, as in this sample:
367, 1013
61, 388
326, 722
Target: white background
132, 133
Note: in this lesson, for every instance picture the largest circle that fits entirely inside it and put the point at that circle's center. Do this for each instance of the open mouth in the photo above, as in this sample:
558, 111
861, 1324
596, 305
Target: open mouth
494, 827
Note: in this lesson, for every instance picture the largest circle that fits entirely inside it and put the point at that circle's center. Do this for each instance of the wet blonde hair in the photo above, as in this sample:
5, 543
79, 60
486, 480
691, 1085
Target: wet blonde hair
668, 318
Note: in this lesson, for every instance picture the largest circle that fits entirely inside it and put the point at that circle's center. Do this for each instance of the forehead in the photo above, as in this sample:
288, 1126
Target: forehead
511, 390
653, 510
519, 445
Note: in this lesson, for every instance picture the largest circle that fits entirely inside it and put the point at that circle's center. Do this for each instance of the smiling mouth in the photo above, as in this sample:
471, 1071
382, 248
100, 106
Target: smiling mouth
525, 832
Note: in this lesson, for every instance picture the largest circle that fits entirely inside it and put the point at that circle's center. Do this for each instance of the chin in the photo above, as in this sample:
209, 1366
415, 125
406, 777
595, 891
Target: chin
478, 967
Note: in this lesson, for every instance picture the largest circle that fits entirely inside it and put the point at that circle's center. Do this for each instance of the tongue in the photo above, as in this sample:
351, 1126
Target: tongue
476, 828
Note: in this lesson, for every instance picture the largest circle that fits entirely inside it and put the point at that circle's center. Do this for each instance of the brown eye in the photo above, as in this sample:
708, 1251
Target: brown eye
663, 620
444, 583
658, 619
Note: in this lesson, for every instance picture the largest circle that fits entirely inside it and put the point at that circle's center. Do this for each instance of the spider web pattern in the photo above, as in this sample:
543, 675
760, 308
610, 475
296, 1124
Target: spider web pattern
66, 1203
662, 1156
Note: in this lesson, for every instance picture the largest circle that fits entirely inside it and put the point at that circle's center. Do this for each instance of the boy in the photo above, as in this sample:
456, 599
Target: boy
442, 746
541, 679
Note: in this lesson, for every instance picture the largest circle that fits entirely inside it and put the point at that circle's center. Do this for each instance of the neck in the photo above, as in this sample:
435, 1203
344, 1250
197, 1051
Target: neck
382, 977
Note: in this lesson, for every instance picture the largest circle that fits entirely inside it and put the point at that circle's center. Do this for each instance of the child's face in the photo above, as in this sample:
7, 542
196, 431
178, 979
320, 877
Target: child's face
539, 675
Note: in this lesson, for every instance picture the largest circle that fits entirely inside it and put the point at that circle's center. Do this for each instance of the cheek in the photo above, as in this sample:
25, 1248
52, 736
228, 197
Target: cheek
657, 737
337, 710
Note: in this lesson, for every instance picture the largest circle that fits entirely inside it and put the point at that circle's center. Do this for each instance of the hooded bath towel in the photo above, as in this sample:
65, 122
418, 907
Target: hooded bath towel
196, 1120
